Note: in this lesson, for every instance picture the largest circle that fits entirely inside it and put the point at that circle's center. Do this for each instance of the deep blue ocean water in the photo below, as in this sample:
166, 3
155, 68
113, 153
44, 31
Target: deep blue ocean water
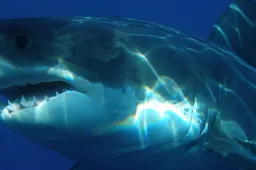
192, 17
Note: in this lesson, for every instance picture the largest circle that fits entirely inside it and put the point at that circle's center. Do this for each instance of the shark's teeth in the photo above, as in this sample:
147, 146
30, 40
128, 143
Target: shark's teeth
12, 107
35, 101
22, 100
27, 104
23, 103
46, 98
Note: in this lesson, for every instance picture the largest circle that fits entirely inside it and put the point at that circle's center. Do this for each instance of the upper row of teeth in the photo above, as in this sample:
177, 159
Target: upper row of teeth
12, 107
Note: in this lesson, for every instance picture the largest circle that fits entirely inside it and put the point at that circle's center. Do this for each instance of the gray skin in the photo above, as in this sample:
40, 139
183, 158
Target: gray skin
135, 91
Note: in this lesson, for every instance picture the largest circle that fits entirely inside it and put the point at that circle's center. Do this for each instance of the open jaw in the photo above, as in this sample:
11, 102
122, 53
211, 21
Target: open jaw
52, 114
31, 96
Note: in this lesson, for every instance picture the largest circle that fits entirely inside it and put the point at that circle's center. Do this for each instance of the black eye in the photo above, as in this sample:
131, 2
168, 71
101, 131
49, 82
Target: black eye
21, 42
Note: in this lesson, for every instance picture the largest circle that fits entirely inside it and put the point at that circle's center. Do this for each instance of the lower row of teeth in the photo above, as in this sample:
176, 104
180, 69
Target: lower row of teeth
13, 107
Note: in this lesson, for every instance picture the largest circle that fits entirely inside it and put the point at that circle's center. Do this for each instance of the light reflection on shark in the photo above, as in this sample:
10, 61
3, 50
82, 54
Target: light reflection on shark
123, 92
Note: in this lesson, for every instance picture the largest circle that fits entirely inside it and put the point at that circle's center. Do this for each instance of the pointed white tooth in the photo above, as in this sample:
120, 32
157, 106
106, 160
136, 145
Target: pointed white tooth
23, 100
46, 98
57, 93
35, 101
9, 103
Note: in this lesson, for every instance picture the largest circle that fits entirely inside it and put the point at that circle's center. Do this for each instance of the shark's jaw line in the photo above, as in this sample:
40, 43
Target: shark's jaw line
23, 104
51, 111
33, 107
31, 87
31, 95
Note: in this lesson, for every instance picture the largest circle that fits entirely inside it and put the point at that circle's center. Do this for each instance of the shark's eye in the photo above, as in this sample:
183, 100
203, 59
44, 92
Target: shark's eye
21, 42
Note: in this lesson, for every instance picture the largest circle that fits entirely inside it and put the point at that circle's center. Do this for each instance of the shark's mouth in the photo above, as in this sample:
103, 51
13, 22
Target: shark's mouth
30, 95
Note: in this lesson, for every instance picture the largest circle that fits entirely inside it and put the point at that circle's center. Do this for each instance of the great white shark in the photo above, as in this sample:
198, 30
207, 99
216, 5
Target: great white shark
115, 92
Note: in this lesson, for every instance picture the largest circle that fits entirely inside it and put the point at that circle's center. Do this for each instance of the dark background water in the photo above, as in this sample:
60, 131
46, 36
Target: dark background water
192, 17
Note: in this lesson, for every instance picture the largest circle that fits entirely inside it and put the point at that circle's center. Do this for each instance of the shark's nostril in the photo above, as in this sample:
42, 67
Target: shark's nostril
21, 42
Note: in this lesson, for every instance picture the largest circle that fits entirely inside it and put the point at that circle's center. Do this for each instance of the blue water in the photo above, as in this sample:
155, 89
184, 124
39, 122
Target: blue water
193, 17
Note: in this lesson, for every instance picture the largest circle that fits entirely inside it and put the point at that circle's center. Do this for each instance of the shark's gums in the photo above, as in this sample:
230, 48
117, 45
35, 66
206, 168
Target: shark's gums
116, 92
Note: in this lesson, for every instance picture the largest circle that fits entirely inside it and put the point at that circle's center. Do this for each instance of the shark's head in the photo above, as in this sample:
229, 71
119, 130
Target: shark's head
110, 88
95, 86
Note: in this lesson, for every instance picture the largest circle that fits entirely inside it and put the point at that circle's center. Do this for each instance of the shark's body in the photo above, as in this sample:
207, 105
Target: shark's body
136, 91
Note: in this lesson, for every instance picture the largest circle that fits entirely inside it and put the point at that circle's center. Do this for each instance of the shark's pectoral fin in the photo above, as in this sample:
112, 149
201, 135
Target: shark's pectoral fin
229, 140
236, 30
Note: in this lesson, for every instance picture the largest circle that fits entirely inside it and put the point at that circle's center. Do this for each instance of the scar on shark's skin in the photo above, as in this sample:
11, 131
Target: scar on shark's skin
110, 92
